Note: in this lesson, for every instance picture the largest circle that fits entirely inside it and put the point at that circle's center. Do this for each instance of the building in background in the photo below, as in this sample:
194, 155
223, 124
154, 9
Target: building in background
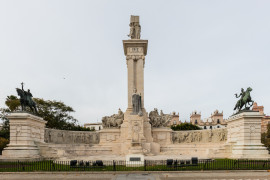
96, 126
265, 119
175, 119
213, 122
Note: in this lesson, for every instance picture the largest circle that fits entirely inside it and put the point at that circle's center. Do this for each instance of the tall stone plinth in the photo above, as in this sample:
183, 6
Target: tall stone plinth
25, 130
136, 134
110, 138
244, 134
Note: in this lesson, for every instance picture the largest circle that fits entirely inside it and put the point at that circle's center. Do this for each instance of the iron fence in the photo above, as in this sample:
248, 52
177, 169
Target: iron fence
146, 165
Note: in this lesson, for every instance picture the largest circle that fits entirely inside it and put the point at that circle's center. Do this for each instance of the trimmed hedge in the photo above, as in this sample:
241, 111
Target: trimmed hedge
185, 127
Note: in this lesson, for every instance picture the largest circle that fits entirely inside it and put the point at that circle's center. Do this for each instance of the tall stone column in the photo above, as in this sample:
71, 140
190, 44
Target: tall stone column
136, 136
135, 51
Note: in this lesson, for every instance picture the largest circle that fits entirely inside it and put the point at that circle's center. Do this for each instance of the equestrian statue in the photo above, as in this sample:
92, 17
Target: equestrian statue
244, 100
26, 99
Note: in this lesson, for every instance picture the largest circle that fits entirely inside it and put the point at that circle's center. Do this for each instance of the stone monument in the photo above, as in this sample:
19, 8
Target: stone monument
136, 133
133, 134
26, 130
244, 129
244, 135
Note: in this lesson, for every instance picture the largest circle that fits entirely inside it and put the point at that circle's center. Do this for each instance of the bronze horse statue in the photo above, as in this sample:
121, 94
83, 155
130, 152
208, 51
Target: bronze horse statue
26, 100
244, 100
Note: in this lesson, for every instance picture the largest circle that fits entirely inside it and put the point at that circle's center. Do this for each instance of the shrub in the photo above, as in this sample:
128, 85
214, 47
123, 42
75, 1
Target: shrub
3, 144
265, 138
185, 127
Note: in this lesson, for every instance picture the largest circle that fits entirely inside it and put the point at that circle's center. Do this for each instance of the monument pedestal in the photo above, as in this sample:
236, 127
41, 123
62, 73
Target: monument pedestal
244, 133
136, 134
25, 130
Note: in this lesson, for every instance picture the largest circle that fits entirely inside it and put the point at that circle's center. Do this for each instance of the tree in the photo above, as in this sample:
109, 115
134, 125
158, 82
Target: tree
3, 144
4, 132
185, 127
56, 113
265, 138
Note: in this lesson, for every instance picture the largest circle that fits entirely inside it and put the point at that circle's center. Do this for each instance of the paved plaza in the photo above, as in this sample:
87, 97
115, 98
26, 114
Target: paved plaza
217, 175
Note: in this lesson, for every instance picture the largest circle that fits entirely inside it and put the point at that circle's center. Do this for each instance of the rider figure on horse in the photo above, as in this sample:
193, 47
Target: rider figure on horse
27, 94
26, 99
244, 100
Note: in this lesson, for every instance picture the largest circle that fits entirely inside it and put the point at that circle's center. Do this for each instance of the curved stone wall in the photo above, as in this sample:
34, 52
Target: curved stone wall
200, 136
70, 137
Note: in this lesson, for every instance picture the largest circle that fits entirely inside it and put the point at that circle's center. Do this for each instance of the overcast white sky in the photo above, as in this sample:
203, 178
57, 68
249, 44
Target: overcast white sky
200, 53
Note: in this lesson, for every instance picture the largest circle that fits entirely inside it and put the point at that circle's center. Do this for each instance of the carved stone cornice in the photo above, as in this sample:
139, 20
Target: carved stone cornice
135, 43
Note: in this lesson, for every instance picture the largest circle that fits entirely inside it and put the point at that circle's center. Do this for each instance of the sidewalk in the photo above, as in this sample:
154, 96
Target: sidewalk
203, 175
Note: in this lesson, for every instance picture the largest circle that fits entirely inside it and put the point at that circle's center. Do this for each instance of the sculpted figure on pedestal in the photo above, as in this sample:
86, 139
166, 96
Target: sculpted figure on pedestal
26, 99
135, 28
244, 100
161, 120
136, 103
113, 121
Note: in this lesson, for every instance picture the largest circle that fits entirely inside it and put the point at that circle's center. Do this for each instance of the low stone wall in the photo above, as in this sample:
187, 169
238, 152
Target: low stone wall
200, 136
70, 137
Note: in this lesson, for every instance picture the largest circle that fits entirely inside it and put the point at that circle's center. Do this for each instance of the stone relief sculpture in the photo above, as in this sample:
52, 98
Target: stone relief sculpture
18, 131
210, 134
222, 135
135, 132
135, 28
203, 136
161, 120
113, 121
70, 137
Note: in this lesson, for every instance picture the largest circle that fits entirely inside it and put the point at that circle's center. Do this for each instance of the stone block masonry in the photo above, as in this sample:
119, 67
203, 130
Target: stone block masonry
25, 130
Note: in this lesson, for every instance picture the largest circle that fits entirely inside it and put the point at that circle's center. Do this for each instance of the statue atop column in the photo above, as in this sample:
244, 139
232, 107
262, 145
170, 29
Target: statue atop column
135, 28
136, 103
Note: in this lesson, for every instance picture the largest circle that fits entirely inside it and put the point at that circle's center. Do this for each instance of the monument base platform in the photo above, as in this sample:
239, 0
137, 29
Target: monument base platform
17, 151
249, 152
244, 134
25, 131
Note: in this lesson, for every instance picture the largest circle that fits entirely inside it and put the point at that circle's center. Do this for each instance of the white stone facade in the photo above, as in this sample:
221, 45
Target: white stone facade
95, 126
